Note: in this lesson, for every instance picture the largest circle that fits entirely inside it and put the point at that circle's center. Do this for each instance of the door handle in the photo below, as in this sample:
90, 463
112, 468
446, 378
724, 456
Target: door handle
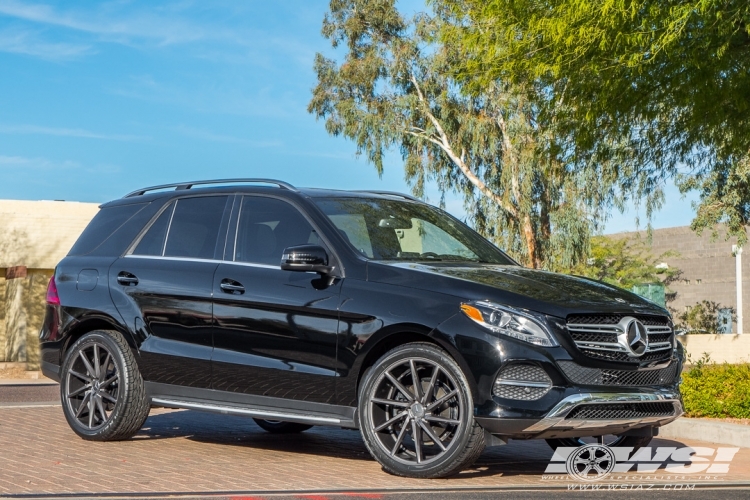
127, 279
231, 286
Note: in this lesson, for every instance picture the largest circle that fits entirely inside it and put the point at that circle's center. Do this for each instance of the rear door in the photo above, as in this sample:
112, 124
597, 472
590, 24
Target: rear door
163, 289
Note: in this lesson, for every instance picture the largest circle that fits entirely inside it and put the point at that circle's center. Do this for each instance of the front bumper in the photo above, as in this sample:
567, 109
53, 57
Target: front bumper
593, 414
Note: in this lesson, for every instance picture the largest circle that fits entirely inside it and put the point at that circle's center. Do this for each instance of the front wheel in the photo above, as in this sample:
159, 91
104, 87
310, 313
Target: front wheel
416, 413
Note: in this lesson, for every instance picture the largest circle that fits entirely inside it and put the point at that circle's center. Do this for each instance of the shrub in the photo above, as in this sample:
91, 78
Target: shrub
717, 391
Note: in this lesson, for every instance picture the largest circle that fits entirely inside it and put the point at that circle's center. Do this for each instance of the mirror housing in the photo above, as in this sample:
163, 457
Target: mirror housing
306, 258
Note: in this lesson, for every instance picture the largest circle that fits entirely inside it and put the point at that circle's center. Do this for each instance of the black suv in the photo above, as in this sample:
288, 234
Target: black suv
361, 309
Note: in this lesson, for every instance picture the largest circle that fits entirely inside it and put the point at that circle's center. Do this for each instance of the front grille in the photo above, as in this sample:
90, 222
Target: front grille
613, 319
612, 411
581, 375
595, 335
523, 382
623, 356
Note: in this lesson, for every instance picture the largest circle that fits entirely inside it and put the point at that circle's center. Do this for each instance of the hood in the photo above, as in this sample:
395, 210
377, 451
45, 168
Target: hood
542, 291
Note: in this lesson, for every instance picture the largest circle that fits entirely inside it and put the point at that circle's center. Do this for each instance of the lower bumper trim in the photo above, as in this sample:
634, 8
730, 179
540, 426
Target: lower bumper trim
557, 417
559, 422
50, 370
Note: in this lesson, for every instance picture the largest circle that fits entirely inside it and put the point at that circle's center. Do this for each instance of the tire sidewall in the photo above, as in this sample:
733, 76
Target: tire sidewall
445, 462
110, 427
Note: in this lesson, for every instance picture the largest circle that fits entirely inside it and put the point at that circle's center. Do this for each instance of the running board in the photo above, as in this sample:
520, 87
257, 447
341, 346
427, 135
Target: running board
252, 412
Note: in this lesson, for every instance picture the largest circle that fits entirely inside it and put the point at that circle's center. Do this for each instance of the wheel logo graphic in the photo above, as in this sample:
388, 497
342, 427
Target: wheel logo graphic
592, 462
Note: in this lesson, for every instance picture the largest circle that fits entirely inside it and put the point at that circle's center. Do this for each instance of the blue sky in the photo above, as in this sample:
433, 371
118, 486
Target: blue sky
100, 98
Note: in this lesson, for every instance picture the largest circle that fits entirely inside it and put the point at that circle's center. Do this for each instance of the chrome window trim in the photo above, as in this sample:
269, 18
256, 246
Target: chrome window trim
169, 227
192, 259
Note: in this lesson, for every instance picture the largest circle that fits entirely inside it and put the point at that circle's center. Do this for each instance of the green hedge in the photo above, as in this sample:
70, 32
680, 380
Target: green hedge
718, 391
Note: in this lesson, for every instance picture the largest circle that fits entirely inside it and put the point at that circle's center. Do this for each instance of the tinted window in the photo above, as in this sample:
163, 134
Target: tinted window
194, 229
266, 227
102, 226
152, 242
399, 230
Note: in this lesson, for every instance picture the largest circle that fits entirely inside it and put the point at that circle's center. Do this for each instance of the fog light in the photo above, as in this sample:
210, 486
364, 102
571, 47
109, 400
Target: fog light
522, 382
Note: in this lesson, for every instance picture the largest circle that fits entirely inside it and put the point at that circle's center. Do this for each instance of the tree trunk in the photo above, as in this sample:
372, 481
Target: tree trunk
533, 258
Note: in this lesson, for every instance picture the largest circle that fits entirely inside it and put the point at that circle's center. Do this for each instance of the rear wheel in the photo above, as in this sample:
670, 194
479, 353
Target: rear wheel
416, 413
102, 392
611, 441
279, 427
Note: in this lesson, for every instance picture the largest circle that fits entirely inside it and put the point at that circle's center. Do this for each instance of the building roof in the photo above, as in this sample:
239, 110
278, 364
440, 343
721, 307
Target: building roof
38, 234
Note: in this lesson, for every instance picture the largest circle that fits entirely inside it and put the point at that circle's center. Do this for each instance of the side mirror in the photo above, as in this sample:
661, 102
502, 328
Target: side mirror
306, 258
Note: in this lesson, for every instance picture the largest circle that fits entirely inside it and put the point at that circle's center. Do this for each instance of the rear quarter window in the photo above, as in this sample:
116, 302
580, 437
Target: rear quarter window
102, 226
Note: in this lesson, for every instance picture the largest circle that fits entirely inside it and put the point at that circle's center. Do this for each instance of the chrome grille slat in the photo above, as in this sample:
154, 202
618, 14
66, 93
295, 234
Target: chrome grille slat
597, 336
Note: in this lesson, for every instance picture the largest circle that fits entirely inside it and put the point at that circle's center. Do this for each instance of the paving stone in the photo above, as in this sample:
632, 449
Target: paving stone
185, 451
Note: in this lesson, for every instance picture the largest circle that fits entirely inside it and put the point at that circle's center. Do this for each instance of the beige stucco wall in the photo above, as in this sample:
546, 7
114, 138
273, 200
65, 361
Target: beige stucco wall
37, 235
729, 348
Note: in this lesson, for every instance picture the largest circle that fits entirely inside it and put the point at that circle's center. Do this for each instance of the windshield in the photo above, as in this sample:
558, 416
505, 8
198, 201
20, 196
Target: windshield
404, 231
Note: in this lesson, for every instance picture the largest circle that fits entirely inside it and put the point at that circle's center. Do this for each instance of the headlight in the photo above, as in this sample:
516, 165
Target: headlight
511, 322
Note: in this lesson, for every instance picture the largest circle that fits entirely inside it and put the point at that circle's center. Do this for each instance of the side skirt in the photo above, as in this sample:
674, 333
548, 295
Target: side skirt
232, 403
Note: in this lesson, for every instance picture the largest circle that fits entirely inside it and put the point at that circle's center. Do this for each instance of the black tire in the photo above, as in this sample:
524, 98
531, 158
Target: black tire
109, 404
443, 406
279, 427
635, 442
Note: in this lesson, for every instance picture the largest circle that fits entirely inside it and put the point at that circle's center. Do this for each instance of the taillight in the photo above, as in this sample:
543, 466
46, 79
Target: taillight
53, 298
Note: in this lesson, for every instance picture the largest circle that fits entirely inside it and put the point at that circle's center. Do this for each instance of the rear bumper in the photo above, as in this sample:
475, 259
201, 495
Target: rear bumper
567, 418
50, 370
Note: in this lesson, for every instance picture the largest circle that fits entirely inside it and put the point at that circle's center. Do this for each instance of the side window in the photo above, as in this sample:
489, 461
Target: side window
194, 229
102, 226
353, 228
186, 228
266, 227
152, 242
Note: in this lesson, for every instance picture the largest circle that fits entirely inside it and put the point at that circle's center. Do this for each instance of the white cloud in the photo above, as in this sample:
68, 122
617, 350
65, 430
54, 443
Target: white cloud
66, 132
166, 25
36, 163
21, 164
107, 21
29, 43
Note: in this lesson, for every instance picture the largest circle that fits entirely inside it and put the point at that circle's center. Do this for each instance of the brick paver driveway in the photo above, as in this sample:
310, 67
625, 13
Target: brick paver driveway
190, 452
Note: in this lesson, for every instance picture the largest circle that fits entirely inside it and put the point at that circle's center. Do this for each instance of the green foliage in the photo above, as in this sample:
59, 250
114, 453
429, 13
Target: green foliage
526, 183
624, 262
716, 391
672, 76
702, 318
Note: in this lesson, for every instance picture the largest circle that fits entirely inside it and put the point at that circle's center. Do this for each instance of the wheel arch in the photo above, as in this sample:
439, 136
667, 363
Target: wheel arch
399, 335
93, 323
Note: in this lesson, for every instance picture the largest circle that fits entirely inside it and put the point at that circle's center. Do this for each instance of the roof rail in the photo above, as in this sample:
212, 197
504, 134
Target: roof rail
391, 193
179, 186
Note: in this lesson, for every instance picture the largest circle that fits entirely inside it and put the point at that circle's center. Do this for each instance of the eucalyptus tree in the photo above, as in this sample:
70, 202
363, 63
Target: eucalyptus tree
524, 181
675, 72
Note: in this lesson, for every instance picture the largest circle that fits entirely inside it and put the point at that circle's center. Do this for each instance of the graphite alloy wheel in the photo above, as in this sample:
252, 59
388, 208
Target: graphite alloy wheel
102, 391
416, 413
279, 427
611, 441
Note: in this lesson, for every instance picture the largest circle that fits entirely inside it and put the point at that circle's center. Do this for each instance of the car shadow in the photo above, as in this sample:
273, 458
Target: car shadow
516, 458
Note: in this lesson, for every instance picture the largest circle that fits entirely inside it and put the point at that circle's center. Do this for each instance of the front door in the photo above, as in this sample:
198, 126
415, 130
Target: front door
275, 332
163, 289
